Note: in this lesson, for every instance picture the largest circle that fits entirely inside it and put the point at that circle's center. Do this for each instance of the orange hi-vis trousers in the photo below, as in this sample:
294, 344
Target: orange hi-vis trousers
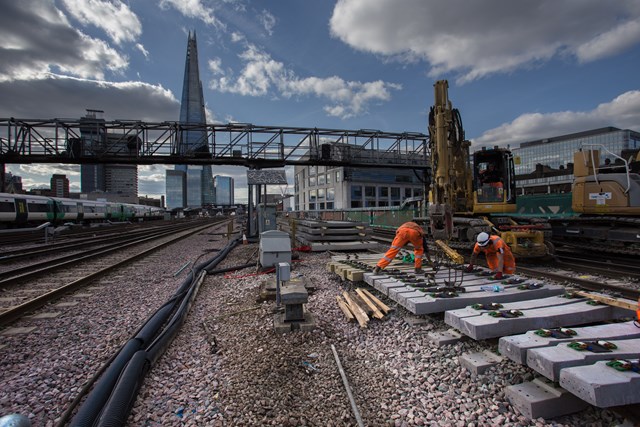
404, 235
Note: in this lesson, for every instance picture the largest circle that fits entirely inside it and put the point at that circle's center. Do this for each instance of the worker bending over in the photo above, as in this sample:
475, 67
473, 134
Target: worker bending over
407, 232
499, 257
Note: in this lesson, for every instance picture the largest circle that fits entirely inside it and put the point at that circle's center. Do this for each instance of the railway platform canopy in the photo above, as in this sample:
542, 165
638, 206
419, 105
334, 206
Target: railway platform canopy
82, 141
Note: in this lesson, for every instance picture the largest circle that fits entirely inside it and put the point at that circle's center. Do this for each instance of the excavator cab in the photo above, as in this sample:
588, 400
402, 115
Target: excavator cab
494, 184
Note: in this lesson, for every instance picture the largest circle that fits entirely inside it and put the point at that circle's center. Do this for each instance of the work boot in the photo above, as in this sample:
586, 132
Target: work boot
377, 270
419, 271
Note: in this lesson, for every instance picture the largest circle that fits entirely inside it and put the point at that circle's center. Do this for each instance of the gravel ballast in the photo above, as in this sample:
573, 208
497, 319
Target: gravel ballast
228, 366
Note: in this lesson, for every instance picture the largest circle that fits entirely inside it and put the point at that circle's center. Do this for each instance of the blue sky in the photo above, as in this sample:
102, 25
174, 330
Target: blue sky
518, 71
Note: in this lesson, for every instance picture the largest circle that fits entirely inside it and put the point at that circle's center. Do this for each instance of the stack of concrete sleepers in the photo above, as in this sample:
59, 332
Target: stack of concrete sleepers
331, 235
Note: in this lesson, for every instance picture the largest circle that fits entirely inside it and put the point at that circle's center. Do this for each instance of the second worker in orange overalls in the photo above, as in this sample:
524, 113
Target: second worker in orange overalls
499, 257
409, 232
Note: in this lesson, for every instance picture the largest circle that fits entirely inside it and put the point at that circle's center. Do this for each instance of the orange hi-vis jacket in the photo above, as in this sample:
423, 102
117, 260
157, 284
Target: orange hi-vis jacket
407, 232
496, 246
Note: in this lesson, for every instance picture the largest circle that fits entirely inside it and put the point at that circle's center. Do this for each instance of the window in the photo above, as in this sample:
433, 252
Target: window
370, 203
331, 193
321, 206
312, 206
320, 193
328, 178
321, 180
313, 195
370, 192
356, 204
38, 207
356, 192
329, 205
383, 192
337, 177
395, 193
312, 170
312, 181
407, 193
7, 207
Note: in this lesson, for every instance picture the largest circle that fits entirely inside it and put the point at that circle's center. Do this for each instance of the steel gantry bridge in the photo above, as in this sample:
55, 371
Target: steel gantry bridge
79, 141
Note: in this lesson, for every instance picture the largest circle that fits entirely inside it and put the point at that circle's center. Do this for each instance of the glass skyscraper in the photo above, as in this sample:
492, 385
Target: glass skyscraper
224, 190
194, 141
176, 189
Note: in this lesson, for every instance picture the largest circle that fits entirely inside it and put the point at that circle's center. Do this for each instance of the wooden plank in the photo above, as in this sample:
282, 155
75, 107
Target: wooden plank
345, 308
385, 309
376, 313
616, 302
361, 316
356, 298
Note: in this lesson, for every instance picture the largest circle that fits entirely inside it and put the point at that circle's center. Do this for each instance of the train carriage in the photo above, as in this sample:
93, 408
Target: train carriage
21, 210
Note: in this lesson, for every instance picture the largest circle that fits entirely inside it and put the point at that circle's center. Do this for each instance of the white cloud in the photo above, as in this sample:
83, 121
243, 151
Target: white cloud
114, 17
268, 21
473, 39
36, 39
194, 9
622, 112
144, 51
618, 39
262, 75
215, 66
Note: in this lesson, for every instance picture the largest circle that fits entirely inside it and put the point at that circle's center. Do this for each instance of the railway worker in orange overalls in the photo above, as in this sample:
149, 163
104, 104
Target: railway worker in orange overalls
407, 232
499, 256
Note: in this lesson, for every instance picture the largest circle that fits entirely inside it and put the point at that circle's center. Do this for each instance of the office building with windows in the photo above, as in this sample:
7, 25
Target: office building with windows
59, 186
116, 179
534, 158
336, 188
224, 190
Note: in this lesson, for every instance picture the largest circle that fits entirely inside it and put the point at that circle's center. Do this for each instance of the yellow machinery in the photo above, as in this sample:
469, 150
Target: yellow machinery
465, 198
606, 199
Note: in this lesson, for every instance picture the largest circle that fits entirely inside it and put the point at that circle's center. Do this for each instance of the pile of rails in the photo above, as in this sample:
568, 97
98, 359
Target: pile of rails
328, 235
361, 305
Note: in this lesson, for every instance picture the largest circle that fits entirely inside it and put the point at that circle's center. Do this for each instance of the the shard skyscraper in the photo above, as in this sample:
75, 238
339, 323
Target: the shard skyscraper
198, 180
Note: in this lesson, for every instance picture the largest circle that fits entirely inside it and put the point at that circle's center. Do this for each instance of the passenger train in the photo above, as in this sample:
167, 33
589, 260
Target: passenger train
20, 210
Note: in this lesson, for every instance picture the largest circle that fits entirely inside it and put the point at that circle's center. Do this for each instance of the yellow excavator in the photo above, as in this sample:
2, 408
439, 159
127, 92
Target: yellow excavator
606, 202
468, 194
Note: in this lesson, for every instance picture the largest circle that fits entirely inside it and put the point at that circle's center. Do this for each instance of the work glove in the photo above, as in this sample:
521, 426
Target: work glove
498, 275
469, 268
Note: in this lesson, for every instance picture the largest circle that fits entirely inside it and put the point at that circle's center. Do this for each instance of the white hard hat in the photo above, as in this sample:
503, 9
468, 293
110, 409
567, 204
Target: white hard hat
483, 239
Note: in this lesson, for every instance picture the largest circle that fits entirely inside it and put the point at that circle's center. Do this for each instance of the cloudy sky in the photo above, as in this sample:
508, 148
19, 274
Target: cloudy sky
517, 71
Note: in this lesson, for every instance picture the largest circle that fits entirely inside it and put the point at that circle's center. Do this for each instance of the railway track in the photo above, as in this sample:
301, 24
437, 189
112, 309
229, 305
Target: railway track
70, 273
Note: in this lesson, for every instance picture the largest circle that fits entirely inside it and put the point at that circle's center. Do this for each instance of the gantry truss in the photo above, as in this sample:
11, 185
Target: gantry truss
242, 144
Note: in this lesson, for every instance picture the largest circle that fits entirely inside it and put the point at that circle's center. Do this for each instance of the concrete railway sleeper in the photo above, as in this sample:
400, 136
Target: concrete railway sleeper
557, 331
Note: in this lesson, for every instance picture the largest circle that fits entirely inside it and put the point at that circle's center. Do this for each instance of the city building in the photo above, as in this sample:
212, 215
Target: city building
59, 186
224, 190
546, 165
12, 184
117, 179
336, 188
176, 189
199, 179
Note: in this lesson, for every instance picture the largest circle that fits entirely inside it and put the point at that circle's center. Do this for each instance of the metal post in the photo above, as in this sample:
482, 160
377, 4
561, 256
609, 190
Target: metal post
277, 287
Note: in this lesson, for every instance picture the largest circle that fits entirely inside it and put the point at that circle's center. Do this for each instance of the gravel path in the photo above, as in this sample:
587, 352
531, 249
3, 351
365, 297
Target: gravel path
245, 374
